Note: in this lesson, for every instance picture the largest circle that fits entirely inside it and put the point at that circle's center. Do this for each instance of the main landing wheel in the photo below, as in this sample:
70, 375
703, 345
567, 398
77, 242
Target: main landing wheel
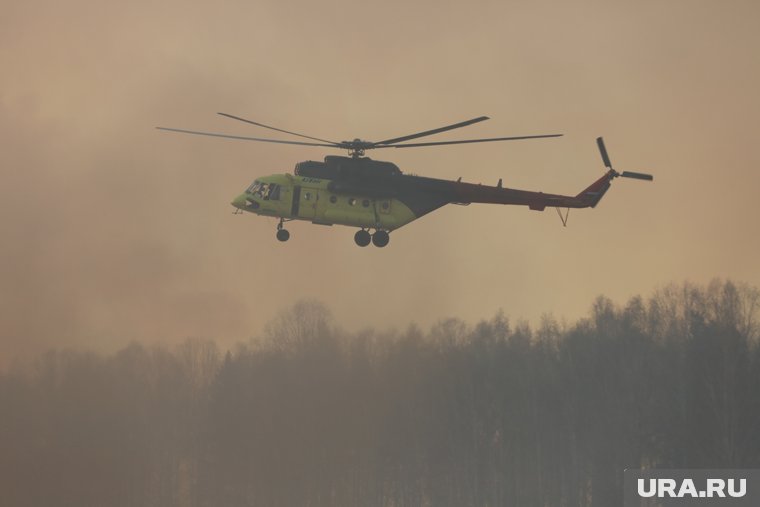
283, 235
380, 239
362, 237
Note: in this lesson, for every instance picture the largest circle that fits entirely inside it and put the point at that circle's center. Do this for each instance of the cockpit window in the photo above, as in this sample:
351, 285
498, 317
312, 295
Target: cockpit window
265, 190
253, 187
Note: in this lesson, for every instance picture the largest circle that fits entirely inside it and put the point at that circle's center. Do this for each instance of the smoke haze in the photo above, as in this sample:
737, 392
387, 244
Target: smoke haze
113, 231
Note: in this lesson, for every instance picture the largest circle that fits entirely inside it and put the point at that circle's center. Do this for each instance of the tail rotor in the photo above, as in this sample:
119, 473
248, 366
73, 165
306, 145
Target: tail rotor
624, 174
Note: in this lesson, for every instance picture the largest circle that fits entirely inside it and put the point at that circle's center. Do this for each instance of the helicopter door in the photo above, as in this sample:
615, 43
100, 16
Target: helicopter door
307, 202
296, 204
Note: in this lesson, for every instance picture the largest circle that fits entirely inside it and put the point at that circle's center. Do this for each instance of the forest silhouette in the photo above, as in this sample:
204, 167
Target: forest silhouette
490, 414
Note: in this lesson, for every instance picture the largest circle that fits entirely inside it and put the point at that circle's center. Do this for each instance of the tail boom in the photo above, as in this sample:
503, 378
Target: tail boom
588, 198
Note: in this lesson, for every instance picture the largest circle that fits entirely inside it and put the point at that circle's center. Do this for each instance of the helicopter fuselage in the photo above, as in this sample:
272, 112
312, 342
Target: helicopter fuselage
372, 194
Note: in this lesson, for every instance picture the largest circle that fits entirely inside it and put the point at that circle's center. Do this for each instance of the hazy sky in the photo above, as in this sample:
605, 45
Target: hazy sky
111, 230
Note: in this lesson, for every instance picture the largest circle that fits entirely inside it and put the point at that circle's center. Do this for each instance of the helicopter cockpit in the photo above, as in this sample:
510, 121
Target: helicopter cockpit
266, 191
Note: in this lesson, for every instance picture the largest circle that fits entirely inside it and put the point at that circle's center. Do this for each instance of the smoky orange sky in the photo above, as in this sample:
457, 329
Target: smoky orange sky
113, 231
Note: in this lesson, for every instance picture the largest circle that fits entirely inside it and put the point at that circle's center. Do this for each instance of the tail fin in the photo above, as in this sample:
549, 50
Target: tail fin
594, 192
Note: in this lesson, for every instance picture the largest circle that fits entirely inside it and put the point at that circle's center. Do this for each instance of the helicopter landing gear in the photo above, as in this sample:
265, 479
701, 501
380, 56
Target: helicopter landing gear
380, 238
282, 234
362, 237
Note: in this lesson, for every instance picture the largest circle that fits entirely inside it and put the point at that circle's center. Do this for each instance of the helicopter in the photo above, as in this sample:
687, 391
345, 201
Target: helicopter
357, 191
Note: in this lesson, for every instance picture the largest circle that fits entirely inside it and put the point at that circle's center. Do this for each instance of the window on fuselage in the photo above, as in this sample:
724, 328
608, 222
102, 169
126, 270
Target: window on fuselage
274, 192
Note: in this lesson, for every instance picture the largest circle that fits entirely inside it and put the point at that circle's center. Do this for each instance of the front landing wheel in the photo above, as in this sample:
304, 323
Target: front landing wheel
380, 239
283, 235
362, 237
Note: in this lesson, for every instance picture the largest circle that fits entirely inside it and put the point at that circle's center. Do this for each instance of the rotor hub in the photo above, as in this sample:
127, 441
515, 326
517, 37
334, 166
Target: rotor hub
358, 147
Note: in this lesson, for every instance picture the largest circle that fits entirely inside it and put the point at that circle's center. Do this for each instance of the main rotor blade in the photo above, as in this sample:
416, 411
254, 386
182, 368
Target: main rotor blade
275, 128
227, 136
638, 176
430, 132
603, 151
416, 145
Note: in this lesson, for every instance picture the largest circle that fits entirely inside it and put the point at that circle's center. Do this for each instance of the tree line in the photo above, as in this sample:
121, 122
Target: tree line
491, 414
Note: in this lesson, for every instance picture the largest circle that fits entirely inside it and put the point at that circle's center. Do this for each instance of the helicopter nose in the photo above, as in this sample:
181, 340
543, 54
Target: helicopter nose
239, 201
